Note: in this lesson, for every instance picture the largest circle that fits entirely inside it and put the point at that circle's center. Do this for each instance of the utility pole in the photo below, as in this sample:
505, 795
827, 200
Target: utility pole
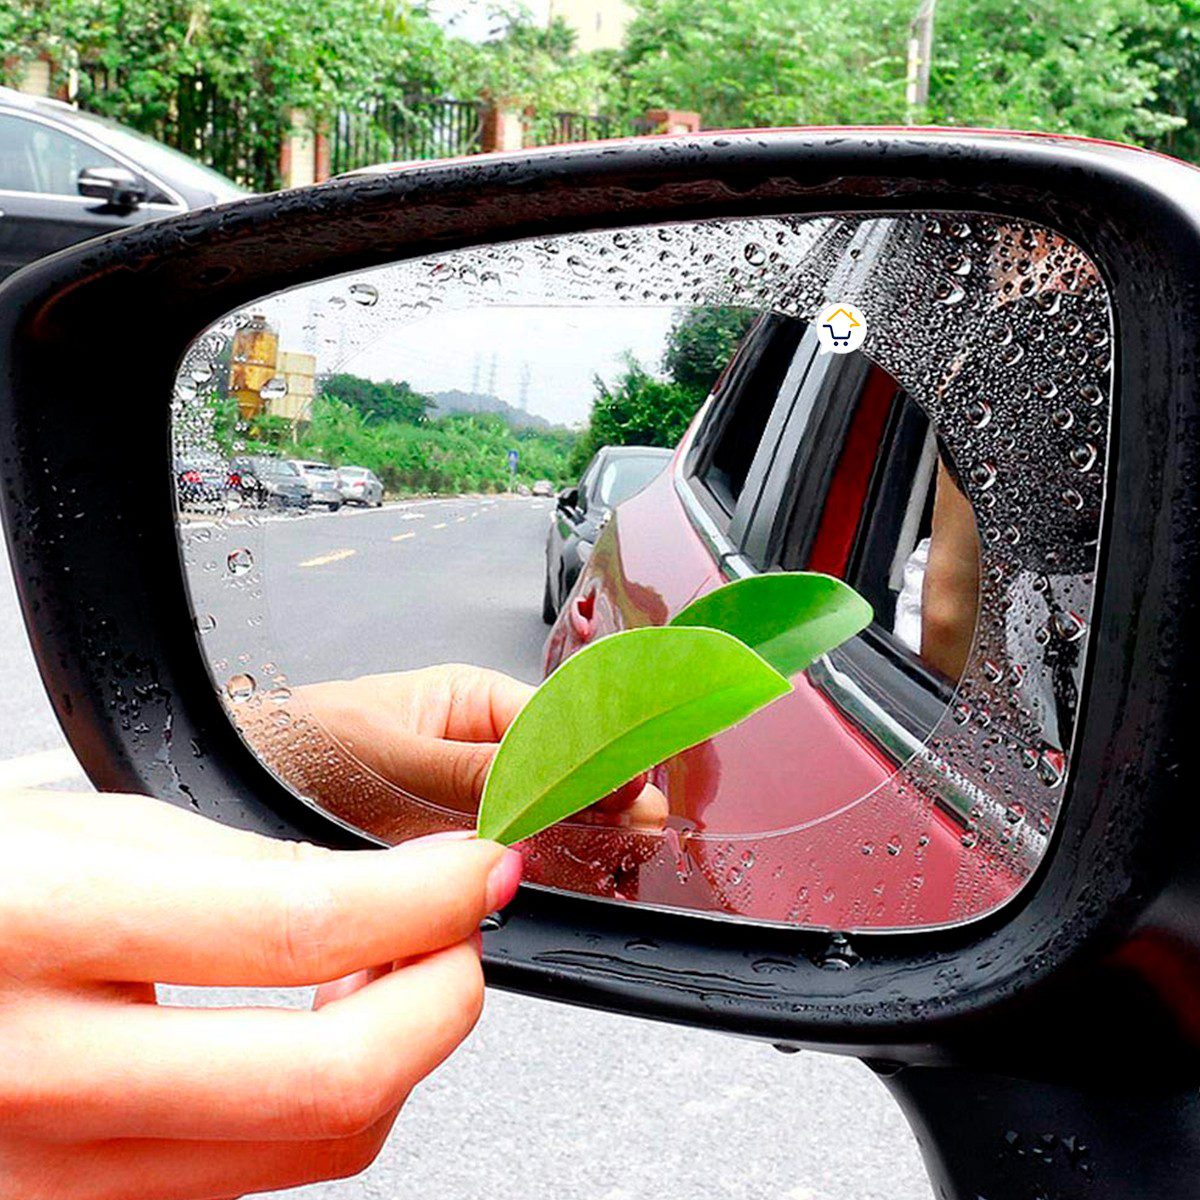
920, 53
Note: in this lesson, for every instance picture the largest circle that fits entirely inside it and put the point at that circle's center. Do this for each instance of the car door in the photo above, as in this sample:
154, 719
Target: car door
568, 521
41, 210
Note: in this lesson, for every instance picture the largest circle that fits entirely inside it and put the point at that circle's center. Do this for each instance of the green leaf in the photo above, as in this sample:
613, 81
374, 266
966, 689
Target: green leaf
620, 706
790, 618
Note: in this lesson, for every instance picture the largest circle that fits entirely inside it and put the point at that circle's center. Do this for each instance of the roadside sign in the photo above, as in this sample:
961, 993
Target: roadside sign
514, 457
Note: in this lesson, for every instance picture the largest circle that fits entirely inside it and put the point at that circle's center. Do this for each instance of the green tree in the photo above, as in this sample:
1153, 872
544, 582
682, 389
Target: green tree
1169, 39
526, 64
636, 410
641, 410
1124, 69
385, 401
170, 67
1089, 67
701, 343
769, 62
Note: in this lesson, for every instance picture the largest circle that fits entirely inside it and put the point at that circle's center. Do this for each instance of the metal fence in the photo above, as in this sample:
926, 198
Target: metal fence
560, 128
241, 134
418, 127
207, 123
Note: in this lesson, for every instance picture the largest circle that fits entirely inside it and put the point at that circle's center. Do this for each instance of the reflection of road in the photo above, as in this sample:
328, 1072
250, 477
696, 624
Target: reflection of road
427, 581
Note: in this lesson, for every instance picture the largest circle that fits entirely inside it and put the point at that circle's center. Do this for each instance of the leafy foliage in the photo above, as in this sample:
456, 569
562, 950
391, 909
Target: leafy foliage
451, 455
642, 410
637, 410
702, 343
1106, 68
1060, 65
221, 78
386, 401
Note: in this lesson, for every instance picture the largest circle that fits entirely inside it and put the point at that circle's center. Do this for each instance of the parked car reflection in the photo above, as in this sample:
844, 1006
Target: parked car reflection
360, 486
614, 474
322, 480
271, 483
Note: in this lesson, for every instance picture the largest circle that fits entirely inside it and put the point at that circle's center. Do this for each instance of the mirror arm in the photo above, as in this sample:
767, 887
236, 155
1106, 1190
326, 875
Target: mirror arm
1012, 1138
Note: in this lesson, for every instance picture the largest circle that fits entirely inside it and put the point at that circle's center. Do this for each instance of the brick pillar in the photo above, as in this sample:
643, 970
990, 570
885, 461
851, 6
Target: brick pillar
323, 154
672, 120
502, 129
299, 153
35, 78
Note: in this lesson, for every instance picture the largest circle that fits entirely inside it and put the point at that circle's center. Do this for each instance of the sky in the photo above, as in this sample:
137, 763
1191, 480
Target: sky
469, 18
543, 358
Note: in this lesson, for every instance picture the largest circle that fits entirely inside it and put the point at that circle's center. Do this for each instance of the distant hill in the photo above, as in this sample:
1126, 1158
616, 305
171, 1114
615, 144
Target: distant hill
456, 401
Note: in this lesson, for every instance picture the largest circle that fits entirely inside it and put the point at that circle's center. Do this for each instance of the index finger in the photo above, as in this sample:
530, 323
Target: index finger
266, 914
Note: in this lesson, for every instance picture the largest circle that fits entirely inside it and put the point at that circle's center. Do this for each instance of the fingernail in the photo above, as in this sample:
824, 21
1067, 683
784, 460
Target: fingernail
503, 880
446, 835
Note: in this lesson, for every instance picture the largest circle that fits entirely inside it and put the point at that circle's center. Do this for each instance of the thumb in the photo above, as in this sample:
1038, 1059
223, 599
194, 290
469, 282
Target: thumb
448, 773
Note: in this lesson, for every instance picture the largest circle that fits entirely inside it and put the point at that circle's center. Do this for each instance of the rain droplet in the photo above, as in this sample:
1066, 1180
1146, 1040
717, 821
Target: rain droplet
983, 475
366, 294
274, 389
979, 413
1051, 768
949, 294
1083, 456
1064, 418
206, 622
1072, 499
239, 561
754, 254
239, 688
1069, 626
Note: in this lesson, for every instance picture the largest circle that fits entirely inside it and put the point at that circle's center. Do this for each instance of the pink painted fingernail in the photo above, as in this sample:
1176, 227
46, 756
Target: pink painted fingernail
503, 879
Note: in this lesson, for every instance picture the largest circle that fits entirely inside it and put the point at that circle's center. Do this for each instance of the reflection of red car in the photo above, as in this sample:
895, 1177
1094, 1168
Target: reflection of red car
813, 462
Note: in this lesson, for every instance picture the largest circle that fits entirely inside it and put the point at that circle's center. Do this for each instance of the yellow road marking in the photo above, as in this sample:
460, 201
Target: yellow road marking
403, 537
323, 560
442, 525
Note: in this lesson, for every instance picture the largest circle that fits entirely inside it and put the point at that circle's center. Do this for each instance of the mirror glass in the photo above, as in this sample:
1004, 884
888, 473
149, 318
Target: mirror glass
393, 482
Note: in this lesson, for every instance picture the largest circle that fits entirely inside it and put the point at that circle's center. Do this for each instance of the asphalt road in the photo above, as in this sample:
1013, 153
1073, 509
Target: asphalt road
548, 1102
366, 590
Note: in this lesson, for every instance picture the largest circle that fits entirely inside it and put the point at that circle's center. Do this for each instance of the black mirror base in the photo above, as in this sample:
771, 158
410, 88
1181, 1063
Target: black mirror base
990, 1137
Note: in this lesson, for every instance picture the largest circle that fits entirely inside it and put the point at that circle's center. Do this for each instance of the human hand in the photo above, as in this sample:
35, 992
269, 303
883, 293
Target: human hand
105, 1095
434, 733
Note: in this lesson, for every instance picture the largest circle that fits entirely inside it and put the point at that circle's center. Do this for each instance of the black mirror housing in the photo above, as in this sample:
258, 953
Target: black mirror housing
118, 187
1096, 938
568, 499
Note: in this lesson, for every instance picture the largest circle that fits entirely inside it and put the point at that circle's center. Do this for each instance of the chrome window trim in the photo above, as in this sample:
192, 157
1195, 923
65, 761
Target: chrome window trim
711, 534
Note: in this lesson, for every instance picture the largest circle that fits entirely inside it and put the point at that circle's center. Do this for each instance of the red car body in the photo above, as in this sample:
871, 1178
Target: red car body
798, 796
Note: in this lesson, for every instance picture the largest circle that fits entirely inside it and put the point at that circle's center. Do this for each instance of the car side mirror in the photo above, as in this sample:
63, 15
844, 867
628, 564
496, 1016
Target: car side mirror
986, 874
568, 499
117, 187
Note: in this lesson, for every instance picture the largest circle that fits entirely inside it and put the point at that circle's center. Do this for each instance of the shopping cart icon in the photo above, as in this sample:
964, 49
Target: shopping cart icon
841, 325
